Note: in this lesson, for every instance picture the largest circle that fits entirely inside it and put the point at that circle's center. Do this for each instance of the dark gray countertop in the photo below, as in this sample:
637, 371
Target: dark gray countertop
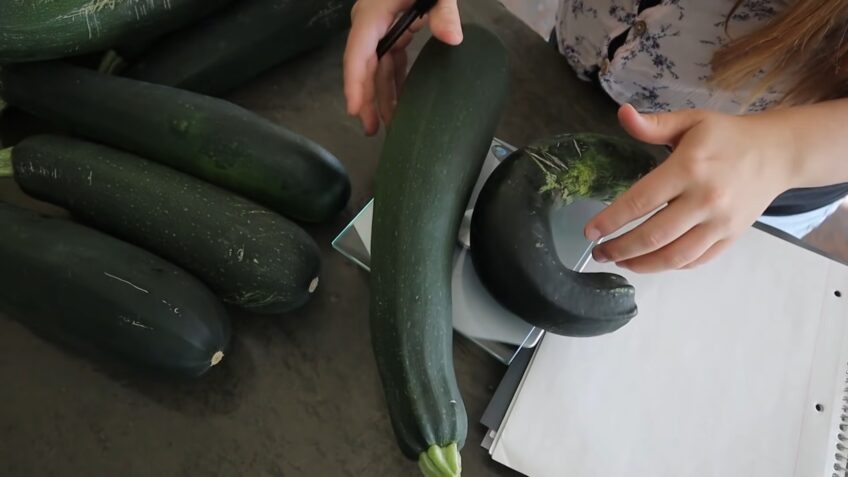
299, 395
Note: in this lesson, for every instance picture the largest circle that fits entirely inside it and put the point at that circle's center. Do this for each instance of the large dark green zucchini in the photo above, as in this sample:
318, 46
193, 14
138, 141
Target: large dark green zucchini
240, 42
512, 246
83, 288
433, 152
206, 137
251, 257
32, 30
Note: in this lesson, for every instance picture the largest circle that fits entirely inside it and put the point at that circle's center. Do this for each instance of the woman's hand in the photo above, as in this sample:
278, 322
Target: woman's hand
723, 173
372, 88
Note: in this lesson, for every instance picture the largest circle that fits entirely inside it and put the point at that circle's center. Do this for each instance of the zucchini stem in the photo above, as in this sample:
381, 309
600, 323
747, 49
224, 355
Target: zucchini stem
441, 461
6, 163
589, 175
217, 357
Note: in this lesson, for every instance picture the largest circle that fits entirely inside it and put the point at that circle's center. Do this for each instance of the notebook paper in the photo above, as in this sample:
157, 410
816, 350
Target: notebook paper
719, 375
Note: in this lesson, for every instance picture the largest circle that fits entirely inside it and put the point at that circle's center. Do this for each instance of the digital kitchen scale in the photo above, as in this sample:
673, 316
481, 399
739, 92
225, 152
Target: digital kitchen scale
476, 314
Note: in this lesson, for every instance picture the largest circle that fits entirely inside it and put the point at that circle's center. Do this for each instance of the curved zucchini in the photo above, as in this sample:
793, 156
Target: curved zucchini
88, 289
238, 43
249, 256
432, 155
41, 30
206, 137
512, 246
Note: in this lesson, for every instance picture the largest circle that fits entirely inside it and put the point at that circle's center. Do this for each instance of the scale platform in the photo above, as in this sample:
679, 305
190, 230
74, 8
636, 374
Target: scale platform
476, 315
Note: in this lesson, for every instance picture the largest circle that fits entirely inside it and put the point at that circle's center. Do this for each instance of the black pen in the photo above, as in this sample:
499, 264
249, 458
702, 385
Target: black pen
418, 10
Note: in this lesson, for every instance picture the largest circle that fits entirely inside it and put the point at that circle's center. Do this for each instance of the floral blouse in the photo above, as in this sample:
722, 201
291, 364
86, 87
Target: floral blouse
655, 54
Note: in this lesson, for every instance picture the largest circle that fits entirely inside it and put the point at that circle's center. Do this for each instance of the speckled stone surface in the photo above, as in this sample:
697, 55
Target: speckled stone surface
299, 394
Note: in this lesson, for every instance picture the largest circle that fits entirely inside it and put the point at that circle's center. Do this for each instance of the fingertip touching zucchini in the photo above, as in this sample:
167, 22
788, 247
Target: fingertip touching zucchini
512, 244
432, 155
41, 30
238, 43
251, 257
206, 137
81, 287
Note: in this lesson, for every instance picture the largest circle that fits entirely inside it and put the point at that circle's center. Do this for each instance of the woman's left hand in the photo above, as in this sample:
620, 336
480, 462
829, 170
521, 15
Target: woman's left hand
723, 173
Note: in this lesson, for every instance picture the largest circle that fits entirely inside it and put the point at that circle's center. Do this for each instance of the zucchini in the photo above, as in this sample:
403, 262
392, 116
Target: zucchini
206, 137
249, 256
33, 30
86, 289
240, 42
512, 246
432, 155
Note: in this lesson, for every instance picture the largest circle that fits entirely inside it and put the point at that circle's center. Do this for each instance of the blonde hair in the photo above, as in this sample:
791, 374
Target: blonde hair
805, 43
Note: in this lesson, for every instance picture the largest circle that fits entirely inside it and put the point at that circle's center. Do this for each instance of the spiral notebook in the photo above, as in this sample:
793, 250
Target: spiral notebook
737, 368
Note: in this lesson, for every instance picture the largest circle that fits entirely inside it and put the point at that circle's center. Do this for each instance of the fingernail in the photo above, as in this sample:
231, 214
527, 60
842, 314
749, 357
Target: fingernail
600, 256
593, 234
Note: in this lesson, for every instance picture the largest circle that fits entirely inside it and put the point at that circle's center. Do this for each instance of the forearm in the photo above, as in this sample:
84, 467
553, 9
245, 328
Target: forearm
818, 140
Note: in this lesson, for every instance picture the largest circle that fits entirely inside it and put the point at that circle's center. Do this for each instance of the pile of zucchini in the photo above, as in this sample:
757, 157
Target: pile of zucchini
183, 205
194, 204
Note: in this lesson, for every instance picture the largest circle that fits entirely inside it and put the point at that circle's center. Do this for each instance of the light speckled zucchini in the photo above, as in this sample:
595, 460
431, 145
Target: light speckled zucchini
32, 30
249, 256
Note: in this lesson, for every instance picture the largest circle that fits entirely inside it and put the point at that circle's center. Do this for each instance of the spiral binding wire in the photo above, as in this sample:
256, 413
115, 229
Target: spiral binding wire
840, 464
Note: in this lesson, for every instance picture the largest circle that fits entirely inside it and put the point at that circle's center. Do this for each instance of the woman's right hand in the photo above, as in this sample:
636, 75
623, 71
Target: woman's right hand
371, 87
